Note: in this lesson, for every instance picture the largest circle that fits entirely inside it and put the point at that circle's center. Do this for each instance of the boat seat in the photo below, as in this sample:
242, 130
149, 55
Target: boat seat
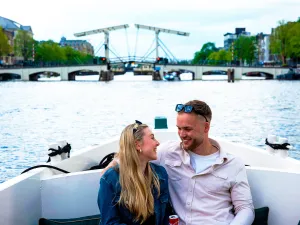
261, 216
87, 220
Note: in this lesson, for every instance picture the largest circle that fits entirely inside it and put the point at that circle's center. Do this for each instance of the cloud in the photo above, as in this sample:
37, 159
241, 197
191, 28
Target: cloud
205, 20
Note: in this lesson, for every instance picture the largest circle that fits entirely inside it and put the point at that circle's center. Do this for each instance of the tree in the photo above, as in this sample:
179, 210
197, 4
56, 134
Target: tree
23, 44
220, 57
245, 48
202, 55
50, 52
285, 40
293, 44
4, 46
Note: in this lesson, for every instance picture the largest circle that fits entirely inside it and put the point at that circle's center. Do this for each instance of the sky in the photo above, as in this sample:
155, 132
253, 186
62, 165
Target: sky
206, 21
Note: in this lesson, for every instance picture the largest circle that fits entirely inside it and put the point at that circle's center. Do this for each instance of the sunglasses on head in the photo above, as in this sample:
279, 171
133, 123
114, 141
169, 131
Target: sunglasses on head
136, 125
188, 109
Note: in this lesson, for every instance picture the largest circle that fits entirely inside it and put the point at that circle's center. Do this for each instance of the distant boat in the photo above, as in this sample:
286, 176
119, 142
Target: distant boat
215, 72
259, 74
180, 74
290, 75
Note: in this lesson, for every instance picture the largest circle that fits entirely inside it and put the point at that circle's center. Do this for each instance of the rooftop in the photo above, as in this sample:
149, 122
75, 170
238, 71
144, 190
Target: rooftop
8, 24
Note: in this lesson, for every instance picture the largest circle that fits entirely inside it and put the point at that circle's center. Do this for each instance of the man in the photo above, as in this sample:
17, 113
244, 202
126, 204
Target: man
207, 185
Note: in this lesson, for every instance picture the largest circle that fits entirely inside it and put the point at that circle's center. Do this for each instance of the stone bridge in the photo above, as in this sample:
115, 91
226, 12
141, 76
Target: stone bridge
69, 72
66, 72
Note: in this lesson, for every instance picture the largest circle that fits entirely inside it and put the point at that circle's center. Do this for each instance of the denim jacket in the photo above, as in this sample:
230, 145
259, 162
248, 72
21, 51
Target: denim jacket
112, 213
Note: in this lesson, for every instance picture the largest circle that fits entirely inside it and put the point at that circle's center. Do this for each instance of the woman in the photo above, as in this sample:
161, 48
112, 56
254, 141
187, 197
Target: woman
136, 191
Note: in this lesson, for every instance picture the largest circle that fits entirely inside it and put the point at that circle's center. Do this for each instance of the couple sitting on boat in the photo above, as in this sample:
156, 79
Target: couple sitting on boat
207, 185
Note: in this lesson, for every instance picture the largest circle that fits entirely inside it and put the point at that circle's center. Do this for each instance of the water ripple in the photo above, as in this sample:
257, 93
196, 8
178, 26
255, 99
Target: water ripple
86, 113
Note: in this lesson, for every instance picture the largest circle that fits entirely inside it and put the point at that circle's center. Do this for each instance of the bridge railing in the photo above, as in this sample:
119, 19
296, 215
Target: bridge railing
138, 60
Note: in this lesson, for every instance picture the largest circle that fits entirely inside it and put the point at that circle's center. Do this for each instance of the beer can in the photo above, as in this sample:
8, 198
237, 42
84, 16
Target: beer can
173, 220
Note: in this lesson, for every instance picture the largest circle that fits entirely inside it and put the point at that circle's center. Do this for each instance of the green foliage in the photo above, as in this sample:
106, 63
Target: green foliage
293, 45
285, 40
202, 55
4, 46
245, 48
23, 44
219, 58
51, 52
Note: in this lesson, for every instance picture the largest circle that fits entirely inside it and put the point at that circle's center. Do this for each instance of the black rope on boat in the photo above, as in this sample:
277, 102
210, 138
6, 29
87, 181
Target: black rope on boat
104, 162
65, 149
278, 146
48, 166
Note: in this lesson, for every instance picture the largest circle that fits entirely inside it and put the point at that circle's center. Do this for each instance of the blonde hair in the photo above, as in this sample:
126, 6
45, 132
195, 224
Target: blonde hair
136, 194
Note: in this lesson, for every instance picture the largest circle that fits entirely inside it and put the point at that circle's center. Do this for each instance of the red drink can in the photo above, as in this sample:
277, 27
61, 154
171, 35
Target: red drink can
173, 220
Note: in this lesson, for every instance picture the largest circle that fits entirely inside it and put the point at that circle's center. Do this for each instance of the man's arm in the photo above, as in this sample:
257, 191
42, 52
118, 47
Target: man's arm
161, 151
242, 200
113, 163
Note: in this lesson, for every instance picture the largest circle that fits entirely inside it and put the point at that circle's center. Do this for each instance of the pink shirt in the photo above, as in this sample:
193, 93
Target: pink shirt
212, 197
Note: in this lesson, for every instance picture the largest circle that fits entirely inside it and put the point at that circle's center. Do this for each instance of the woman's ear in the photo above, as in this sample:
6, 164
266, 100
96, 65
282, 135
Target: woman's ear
138, 145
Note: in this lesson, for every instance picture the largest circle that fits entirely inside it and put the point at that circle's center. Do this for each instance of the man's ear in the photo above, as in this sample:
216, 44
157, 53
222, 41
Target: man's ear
206, 127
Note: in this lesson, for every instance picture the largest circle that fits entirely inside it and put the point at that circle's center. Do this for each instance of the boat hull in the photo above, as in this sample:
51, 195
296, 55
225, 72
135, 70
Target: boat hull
274, 182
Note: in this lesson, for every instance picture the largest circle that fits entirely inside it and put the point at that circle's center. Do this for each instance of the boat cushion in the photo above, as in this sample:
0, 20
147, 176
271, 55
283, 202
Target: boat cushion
87, 220
261, 216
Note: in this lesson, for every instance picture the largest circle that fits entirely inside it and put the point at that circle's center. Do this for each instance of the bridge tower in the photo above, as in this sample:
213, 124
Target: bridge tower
158, 30
106, 37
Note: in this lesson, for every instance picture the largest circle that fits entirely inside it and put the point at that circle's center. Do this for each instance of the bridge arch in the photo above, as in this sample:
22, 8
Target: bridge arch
81, 72
9, 76
35, 76
258, 73
215, 72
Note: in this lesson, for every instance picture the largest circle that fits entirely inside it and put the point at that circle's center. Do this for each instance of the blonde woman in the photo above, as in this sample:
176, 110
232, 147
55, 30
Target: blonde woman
135, 191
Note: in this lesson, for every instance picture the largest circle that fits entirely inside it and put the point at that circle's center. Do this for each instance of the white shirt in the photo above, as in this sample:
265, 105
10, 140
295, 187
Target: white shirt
203, 162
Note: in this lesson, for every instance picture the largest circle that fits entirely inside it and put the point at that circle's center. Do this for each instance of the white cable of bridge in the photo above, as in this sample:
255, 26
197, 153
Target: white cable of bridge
106, 37
136, 42
166, 53
99, 48
163, 45
118, 56
147, 54
128, 46
158, 30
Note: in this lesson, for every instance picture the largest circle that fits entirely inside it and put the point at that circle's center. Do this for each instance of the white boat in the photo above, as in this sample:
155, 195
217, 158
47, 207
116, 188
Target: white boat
48, 193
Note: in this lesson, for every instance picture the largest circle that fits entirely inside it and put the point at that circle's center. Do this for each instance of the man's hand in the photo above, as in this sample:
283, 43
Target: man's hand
113, 163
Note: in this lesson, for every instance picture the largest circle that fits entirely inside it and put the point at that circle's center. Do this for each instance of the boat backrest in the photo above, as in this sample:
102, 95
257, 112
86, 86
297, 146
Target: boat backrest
257, 157
70, 195
87, 220
269, 189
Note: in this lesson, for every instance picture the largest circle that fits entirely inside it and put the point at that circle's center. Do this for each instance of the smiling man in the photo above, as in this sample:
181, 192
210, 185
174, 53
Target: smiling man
207, 185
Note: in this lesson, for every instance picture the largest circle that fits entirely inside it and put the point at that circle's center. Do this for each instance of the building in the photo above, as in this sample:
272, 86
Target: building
229, 38
79, 45
263, 47
11, 29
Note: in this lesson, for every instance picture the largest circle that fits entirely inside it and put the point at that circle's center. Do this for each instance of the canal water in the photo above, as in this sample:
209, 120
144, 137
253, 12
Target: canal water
34, 114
